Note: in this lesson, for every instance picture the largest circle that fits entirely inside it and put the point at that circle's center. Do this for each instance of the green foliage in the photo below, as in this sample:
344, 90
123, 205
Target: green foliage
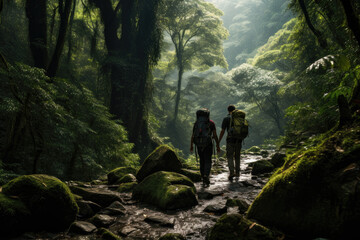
57, 128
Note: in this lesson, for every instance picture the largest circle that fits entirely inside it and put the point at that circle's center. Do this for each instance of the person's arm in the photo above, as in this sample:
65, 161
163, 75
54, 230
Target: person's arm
221, 135
216, 140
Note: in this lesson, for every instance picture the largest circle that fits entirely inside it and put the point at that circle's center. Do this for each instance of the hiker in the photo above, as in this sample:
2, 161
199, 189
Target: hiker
204, 131
237, 130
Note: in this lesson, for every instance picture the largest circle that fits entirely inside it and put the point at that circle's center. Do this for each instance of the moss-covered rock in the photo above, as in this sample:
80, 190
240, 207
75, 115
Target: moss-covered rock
236, 227
162, 158
172, 236
101, 196
167, 190
127, 178
278, 159
262, 166
241, 203
50, 201
195, 176
115, 175
253, 150
126, 187
14, 215
316, 191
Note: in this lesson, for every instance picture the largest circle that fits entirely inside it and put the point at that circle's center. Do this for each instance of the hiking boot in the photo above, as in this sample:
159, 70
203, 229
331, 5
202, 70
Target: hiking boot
206, 180
231, 177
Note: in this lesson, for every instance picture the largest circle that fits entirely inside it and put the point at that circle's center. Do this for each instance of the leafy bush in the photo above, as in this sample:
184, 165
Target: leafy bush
56, 127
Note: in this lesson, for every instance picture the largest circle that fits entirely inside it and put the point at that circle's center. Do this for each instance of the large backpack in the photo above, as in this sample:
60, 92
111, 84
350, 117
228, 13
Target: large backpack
202, 131
239, 127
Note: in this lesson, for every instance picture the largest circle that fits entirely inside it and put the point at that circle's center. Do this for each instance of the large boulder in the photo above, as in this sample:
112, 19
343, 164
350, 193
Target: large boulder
262, 166
51, 204
14, 215
115, 175
162, 158
316, 192
166, 190
237, 227
278, 159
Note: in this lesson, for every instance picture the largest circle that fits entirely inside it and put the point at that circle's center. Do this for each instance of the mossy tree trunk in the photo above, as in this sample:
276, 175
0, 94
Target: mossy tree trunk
130, 57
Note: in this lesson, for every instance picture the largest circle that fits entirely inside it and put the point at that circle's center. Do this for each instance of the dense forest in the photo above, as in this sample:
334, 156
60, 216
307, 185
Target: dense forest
87, 86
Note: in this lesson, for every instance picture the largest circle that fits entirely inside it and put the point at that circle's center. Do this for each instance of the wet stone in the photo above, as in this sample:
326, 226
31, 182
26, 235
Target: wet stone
127, 230
217, 209
82, 227
163, 221
102, 220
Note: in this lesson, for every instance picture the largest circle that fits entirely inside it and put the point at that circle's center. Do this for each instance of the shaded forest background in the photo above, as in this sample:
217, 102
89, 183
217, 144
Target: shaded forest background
89, 85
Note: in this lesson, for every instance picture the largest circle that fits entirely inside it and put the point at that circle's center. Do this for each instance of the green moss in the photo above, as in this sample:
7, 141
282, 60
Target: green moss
302, 197
106, 234
126, 187
50, 201
193, 175
115, 175
126, 178
236, 227
253, 149
14, 215
166, 190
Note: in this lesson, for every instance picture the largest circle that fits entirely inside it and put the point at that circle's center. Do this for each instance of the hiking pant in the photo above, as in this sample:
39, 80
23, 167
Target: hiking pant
205, 160
233, 150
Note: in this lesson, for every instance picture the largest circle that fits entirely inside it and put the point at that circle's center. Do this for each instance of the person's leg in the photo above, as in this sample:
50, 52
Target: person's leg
202, 162
237, 159
207, 162
230, 149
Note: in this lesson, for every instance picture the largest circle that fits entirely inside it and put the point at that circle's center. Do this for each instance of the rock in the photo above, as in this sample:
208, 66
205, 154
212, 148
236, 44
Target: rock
106, 234
164, 221
167, 190
217, 209
278, 159
264, 153
317, 191
127, 178
116, 208
209, 194
102, 220
116, 174
100, 196
193, 175
126, 187
236, 227
82, 227
172, 236
262, 166
51, 204
253, 150
162, 158
127, 230
85, 210
14, 215
241, 203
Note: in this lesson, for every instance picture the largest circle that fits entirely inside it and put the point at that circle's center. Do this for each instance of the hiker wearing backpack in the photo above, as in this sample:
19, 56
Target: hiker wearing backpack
204, 131
237, 130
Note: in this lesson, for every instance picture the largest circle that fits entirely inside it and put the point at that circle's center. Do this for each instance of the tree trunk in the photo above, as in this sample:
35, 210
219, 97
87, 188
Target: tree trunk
318, 34
36, 14
352, 19
70, 43
64, 12
178, 93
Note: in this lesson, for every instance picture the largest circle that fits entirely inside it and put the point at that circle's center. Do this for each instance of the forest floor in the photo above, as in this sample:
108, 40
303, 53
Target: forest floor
143, 221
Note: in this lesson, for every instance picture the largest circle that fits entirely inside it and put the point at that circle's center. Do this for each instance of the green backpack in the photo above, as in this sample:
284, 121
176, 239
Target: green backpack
239, 126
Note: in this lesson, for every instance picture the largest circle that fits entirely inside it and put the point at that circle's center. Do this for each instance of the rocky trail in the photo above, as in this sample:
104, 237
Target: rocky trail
129, 219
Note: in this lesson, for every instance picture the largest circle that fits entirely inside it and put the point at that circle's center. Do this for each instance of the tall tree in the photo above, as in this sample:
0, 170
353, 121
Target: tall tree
131, 54
64, 11
36, 13
196, 30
